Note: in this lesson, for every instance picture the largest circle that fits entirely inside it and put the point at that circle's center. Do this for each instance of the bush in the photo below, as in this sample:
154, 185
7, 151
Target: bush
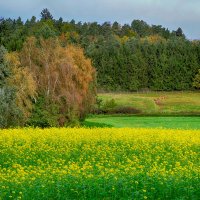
109, 106
126, 110
10, 114
44, 114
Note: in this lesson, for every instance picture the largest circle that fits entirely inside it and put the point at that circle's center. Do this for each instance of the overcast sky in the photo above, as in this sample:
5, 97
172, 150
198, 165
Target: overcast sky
168, 13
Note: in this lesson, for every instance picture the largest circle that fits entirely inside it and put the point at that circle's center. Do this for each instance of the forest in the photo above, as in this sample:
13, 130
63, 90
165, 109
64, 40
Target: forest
51, 70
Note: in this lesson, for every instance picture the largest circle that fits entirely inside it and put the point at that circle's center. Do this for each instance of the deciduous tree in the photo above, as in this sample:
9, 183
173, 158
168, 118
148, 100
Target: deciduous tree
63, 76
10, 114
23, 83
196, 82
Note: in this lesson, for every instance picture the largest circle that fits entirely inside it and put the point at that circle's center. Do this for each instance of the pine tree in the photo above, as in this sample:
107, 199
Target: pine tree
179, 32
46, 15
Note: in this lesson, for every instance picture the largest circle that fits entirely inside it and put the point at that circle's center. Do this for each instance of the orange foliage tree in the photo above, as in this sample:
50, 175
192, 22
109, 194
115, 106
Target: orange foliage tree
63, 76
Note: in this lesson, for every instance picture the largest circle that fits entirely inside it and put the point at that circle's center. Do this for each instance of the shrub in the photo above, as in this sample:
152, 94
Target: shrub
109, 105
126, 110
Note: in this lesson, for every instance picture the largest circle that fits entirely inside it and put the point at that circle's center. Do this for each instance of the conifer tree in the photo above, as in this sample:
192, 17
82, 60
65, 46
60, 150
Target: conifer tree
46, 15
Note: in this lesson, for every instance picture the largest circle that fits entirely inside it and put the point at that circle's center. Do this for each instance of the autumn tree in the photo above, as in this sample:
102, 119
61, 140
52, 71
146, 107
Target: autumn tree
10, 114
64, 77
23, 83
154, 39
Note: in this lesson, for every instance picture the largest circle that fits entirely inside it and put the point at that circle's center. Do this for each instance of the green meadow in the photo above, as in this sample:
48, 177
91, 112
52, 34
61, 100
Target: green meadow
179, 110
143, 122
162, 103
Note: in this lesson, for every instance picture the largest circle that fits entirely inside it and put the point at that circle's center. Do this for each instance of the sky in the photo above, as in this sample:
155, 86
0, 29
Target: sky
168, 13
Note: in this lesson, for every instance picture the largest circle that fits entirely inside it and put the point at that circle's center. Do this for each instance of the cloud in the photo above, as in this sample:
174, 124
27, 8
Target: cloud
169, 13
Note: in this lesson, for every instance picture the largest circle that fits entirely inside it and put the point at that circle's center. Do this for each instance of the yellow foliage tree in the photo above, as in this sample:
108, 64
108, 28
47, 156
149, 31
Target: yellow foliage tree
22, 80
196, 83
154, 39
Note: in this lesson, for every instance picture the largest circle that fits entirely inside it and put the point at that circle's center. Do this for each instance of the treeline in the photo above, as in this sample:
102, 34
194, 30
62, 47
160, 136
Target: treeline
127, 57
14, 32
141, 64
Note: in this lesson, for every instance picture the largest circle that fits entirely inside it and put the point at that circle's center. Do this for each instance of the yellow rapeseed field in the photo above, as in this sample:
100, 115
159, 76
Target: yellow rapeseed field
106, 163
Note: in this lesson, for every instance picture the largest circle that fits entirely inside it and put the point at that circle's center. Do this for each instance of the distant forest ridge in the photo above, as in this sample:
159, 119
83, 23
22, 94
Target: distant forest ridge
127, 57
